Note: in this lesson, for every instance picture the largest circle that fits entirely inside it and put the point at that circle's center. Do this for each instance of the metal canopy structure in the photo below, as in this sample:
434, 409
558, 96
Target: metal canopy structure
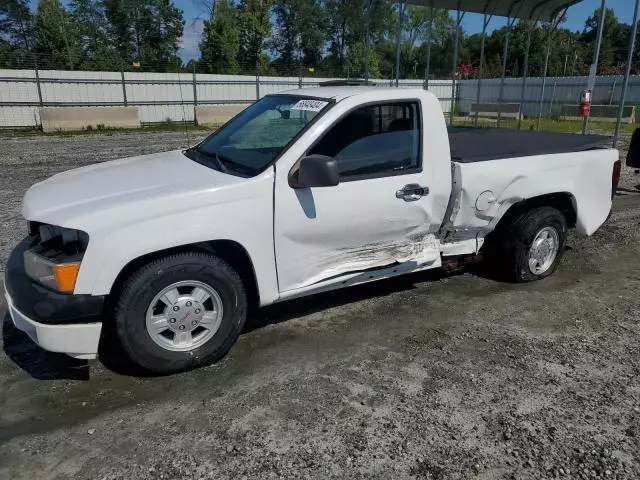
550, 11
543, 10
533, 11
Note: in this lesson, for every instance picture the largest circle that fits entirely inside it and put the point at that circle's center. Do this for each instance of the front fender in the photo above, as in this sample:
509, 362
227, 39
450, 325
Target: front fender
246, 219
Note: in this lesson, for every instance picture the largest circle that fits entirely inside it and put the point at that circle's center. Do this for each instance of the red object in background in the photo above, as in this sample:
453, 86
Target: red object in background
585, 103
467, 71
585, 108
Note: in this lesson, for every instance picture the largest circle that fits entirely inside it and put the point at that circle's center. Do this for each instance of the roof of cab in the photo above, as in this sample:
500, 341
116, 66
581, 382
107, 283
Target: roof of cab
337, 93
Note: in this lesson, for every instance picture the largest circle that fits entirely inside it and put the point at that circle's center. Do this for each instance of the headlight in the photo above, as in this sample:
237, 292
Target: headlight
57, 240
57, 276
55, 255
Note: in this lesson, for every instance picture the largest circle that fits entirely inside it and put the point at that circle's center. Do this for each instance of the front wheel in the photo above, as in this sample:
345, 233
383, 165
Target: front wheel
533, 245
180, 311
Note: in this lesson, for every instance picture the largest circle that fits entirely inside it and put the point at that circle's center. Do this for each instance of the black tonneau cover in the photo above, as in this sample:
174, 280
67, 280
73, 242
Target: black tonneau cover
470, 145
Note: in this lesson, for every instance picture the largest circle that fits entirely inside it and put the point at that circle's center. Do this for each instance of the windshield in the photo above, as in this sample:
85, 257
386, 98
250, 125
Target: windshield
251, 141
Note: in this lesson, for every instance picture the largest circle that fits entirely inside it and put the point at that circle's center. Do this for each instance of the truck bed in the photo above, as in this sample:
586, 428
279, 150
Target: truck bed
469, 145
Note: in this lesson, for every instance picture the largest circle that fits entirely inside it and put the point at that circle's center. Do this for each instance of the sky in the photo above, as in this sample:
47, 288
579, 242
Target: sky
195, 12
576, 15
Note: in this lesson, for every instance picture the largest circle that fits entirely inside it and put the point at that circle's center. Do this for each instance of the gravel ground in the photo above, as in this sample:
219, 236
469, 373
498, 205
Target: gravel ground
430, 376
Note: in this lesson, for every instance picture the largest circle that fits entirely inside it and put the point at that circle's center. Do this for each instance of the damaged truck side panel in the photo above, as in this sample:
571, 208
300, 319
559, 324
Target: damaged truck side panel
358, 225
586, 179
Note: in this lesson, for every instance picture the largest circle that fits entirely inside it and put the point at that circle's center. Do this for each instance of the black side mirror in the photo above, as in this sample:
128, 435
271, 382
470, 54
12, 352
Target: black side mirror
315, 171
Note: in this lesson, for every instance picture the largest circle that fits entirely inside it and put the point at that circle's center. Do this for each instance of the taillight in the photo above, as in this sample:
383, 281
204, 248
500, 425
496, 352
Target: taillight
615, 177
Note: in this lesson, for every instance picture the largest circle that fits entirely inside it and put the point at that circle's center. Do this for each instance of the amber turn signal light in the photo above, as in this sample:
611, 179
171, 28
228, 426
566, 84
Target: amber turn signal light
65, 276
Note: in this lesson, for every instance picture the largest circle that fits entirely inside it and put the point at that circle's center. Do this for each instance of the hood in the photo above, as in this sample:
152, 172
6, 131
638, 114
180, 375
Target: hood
118, 183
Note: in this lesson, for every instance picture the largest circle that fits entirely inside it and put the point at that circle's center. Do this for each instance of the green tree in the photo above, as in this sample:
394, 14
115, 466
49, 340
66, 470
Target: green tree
254, 27
567, 51
615, 37
442, 36
355, 62
300, 31
413, 47
148, 31
16, 33
15, 23
220, 44
346, 20
165, 35
96, 49
346, 25
57, 40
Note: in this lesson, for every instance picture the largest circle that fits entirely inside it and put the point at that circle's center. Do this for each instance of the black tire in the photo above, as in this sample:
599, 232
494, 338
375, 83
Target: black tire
138, 291
514, 244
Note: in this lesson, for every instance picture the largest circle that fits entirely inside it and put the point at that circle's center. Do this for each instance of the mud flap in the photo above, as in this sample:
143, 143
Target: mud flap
633, 156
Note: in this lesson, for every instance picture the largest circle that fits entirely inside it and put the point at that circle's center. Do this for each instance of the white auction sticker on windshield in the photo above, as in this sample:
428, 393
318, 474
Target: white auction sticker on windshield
309, 105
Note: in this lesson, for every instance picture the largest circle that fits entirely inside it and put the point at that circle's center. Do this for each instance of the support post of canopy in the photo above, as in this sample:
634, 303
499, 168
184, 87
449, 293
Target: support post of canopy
525, 72
459, 18
505, 55
544, 79
594, 66
399, 39
485, 24
366, 43
552, 29
428, 59
625, 85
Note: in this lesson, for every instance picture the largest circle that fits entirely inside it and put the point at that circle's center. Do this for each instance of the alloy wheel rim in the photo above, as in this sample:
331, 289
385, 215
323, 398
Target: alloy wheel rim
543, 250
184, 316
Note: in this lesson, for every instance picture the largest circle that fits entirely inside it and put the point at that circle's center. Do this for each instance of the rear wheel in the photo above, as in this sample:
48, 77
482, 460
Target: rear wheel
180, 312
532, 246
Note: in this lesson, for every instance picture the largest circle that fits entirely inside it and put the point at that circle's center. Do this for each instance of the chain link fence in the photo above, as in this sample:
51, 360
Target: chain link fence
550, 103
159, 97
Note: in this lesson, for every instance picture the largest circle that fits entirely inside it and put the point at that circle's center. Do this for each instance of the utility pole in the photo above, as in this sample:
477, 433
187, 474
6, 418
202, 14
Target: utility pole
623, 94
573, 66
366, 43
594, 66
66, 40
459, 17
401, 10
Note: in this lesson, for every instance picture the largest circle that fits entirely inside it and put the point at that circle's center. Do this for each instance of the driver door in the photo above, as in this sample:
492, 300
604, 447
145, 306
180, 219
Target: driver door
379, 215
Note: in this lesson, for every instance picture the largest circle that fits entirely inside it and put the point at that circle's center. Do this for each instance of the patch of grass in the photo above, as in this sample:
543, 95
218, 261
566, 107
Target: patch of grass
552, 125
102, 130
546, 125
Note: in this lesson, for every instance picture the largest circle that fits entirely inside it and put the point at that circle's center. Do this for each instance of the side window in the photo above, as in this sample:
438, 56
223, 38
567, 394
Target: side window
375, 140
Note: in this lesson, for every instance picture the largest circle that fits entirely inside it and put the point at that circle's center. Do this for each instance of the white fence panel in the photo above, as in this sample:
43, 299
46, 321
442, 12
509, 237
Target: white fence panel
558, 91
160, 97
21, 90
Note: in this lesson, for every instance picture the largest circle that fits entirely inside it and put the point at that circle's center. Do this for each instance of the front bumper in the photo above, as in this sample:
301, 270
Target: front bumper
55, 321
79, 340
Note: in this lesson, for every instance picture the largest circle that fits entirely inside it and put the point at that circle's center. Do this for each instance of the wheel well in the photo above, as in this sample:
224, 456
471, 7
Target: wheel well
230, 251
564, 202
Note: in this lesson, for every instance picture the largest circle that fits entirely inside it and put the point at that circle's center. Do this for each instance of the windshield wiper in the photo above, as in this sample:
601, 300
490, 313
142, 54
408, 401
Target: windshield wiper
244, 170
223, 163
218, 165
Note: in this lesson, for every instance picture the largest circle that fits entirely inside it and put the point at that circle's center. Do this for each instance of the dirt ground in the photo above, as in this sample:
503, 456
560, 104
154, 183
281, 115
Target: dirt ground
430, 376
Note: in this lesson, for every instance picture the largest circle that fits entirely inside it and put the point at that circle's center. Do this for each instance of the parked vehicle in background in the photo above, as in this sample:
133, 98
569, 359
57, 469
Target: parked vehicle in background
304, 191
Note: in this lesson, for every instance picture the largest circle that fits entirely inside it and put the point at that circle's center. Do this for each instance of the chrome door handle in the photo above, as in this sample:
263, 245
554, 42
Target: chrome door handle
412, 192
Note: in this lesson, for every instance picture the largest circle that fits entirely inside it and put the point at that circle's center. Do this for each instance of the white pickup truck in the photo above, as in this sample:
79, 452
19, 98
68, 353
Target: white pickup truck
304, 191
